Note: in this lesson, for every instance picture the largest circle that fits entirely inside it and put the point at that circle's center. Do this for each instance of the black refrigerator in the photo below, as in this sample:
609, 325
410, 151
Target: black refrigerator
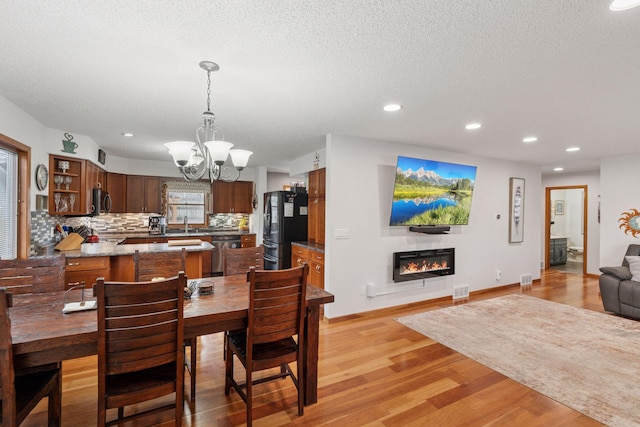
285, 221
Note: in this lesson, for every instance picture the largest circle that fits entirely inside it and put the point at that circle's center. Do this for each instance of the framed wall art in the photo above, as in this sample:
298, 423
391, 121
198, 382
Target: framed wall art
102, 156
558, 207
516, 210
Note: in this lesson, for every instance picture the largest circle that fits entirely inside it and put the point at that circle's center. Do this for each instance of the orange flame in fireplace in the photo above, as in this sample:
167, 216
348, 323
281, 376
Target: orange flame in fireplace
414, 267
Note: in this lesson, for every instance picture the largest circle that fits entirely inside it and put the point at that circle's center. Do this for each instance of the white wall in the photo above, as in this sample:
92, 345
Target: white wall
360, 176
618, 185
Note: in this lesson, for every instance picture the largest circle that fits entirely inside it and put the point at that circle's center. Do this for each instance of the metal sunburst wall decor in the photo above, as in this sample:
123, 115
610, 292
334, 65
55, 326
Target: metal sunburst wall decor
630, 222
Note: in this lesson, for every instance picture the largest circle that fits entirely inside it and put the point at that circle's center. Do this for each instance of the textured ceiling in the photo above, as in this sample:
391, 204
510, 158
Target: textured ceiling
292, 71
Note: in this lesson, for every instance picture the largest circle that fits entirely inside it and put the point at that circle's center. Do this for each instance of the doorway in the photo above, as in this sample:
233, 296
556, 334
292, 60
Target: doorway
566, 229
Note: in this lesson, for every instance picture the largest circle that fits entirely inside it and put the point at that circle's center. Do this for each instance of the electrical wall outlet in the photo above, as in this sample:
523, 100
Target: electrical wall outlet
498, 274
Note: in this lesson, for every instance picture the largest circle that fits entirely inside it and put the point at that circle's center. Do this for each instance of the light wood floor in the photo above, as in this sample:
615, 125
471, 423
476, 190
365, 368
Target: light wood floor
373, 372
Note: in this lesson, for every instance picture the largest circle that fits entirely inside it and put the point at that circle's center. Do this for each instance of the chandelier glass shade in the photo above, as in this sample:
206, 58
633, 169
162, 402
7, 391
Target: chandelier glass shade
206, 158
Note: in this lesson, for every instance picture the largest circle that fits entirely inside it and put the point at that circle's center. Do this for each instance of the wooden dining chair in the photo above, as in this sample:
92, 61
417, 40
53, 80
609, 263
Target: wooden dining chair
33, 275
140, 352
156, 265
20, 392
277, 304
238, 260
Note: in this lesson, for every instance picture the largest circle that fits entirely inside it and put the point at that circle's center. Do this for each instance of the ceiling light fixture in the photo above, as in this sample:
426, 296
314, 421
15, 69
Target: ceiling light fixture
128, 134
570, 149
392, 107
620, 5
208, 155
473, 126
558, 169
530, 139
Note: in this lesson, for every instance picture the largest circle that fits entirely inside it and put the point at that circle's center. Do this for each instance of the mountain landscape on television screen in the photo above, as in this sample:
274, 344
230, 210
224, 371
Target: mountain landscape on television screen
428, 176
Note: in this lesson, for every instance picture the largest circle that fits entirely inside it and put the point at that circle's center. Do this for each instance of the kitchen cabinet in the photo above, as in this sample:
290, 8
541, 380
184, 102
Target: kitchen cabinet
117, 189
316, 269
558, 251
231, 197
144, 194
248, 241
87, 270
317, 182
95, 177
68, 189
316, 220
206, 258
314, 258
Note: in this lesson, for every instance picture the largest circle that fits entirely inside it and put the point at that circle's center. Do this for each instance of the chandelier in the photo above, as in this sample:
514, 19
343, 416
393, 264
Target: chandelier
207, 156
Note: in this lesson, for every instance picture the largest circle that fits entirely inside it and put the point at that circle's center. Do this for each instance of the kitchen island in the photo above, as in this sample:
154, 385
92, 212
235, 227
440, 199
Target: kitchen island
115, 262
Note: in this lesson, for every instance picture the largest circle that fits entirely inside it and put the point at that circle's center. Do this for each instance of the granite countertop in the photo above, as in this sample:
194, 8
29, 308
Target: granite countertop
319, 247
191, 233
110, 249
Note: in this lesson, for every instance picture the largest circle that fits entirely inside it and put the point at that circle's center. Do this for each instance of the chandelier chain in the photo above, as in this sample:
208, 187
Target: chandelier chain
209, 91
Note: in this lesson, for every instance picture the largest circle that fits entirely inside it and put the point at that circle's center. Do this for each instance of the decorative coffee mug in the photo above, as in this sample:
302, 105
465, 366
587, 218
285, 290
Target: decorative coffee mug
68, 144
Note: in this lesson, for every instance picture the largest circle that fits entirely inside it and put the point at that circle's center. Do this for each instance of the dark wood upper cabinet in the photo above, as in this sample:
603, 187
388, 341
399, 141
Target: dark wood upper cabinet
316, 222
231, 197
144, 194
117, 189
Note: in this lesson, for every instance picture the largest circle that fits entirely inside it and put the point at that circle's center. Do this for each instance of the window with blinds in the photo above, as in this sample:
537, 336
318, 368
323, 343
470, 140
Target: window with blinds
181, 204
8, 204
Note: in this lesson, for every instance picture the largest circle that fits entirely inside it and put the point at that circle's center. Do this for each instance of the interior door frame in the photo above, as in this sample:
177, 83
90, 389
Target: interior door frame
547, 222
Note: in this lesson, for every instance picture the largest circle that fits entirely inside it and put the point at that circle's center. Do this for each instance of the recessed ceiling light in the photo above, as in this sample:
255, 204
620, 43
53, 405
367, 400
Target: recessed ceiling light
573, 149
530, 139
392, 107
558, 169
473, 126
620, 5
127, 134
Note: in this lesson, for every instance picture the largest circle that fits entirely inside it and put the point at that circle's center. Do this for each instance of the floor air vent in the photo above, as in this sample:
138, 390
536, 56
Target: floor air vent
526, 279
461, 291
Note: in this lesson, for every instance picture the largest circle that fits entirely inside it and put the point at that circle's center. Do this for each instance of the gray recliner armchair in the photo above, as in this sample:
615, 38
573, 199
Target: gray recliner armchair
620, 294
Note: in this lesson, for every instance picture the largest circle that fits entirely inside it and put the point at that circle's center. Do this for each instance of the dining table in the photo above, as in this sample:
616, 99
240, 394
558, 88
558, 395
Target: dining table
42, 333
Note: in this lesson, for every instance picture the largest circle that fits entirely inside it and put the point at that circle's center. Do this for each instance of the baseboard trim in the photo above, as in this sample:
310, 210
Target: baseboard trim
413, 305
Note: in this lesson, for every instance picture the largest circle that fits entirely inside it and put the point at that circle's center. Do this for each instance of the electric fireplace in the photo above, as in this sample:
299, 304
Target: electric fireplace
421, 264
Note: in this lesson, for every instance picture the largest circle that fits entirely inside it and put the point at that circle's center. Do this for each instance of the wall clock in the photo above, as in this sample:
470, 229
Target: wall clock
42, 177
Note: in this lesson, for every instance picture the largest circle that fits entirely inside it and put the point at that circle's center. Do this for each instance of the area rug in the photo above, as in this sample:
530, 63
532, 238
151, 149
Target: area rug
585, 360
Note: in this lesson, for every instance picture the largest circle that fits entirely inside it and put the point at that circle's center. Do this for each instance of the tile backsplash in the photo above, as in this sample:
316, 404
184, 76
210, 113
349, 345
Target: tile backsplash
42, 224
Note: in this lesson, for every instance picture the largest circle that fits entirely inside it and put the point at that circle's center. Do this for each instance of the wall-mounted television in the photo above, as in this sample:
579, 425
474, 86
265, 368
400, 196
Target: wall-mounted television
430, 192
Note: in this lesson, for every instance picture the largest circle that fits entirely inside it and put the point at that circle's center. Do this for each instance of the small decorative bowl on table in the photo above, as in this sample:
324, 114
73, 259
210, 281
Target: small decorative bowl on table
205, 288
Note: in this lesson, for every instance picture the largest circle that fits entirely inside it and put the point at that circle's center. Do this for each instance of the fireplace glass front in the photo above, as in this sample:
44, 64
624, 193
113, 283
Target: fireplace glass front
423, 264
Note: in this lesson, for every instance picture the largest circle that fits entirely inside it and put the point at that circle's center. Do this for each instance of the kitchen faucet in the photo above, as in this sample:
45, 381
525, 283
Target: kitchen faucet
186, 224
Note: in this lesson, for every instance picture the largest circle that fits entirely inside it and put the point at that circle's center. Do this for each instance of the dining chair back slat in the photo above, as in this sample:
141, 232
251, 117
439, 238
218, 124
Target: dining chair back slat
239, 260
33, 275
155, 265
